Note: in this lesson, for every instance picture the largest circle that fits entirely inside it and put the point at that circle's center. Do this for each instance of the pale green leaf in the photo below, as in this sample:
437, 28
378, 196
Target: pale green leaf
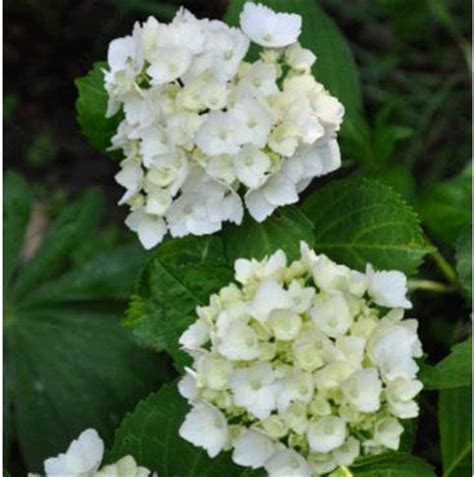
283, 230
453, 371
359, 221
151, 435
455, 427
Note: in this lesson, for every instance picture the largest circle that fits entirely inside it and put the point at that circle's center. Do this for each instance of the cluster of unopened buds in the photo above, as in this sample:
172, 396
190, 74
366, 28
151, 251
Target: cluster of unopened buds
299, 368
83, 458
205, 132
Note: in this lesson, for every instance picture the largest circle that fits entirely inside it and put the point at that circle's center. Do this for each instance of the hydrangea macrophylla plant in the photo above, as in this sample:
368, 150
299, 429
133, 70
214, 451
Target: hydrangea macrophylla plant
83, 458
301, 367
203, 128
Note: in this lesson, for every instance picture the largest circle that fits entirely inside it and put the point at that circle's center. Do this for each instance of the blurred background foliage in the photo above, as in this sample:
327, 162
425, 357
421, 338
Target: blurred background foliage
414, 64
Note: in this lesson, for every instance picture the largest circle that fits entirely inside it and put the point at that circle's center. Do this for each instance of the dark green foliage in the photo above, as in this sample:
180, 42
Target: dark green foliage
69, 364
91, 107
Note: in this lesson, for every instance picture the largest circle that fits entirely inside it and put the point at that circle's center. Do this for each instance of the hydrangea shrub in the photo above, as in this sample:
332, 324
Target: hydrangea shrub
292, 331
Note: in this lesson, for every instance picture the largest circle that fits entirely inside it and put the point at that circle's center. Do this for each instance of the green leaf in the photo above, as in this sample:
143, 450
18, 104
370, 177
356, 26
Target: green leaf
455, 428
68, 231
464, 261
73, 367
446, 207
335, 66
91, 107
16, 215
181, 275
107, 276
454, 371
69, 363
359, 221
151, 435
390, 464
284, 229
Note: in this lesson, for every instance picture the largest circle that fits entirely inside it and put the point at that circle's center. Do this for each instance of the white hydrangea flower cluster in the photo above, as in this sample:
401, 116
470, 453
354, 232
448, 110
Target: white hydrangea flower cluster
203, 128
301, 368
83, 458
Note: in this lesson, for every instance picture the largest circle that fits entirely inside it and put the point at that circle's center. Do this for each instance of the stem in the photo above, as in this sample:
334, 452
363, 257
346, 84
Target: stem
446, 269
345, 471
429, 285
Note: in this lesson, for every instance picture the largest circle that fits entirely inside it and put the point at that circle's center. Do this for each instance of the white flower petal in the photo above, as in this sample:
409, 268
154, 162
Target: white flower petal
252, 448
388, 288
82, 457
205, 426
267, 28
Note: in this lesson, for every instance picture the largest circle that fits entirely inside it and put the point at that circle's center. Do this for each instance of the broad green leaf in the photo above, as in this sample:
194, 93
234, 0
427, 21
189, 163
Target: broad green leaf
391, 464
464, 261
91, 107
74, 367
454, 371
446, 207
16, 214
284, 229
455, 429
181, 275
107, 276
335, 66
151, 435
69, 362
359, 221
68, 231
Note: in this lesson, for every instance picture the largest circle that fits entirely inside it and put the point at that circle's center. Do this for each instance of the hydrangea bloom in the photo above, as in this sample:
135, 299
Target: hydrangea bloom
301, 367
205, 133
83, 458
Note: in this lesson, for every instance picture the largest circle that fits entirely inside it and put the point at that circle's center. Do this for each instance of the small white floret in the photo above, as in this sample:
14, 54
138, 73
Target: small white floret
326, 434
253, 389
205, 426
287, 462
388, 288
268, 28
82, 457
252, 449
